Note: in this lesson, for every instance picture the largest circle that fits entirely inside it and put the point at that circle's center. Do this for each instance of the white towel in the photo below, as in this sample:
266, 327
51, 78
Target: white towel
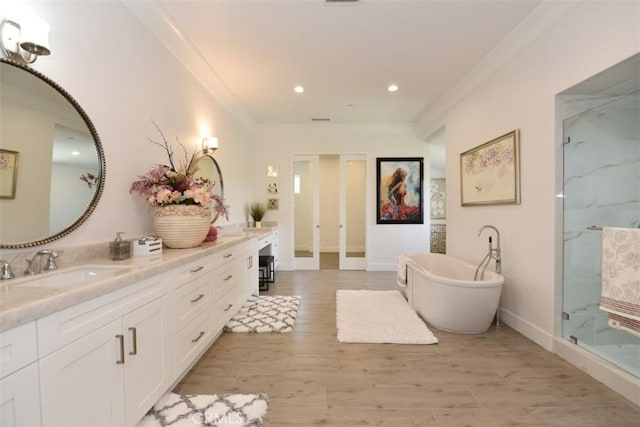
401, 269
621, 278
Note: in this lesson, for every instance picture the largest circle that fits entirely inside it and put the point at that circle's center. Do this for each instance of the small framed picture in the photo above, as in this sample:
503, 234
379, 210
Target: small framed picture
273, 171
272, 187
273, 204
8, 174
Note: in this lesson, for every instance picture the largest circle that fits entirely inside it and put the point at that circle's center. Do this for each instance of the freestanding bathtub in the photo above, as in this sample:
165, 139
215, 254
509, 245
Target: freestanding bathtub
441, 289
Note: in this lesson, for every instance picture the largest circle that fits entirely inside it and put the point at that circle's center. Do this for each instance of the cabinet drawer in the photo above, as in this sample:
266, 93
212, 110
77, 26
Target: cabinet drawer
63, 327
193, 340
227, 277
194, 270
191, 299
224, 309
18, 348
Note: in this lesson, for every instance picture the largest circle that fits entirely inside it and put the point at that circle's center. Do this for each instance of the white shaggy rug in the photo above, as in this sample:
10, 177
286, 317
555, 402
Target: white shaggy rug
274, 313
379, 317
177, 410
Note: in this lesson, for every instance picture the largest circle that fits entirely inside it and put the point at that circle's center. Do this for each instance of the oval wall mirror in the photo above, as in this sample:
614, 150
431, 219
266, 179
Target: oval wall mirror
52, 167
208, 168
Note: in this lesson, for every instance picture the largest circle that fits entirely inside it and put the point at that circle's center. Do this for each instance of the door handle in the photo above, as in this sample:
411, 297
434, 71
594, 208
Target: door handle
134, 342
198, 337
198, 298
120, 338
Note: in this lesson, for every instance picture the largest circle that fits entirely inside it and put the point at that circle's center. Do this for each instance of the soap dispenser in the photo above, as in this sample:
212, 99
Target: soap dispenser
119, 249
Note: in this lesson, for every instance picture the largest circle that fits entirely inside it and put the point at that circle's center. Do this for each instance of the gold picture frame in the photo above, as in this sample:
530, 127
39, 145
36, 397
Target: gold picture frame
490, 173
8, 173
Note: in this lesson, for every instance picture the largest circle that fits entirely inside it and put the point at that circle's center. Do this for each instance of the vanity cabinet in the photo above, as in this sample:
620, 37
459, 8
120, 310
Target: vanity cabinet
19, 384
208, 293
113, 374
107, 360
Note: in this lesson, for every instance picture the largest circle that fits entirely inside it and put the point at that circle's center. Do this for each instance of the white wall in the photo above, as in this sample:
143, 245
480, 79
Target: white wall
520, 94
124, 78
278, 143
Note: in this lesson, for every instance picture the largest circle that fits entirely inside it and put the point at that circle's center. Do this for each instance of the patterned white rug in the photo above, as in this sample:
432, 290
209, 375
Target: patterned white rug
274, 313
379, 317
177, 410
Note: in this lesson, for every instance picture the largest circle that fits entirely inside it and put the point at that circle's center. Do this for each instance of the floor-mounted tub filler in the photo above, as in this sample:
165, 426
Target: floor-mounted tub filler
442, 290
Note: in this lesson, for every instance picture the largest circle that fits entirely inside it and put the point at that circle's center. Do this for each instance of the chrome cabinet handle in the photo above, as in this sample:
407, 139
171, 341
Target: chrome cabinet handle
198, 298
121, 339
228, 255
228, 277
195, 270
200, 335
134, 342
228, 307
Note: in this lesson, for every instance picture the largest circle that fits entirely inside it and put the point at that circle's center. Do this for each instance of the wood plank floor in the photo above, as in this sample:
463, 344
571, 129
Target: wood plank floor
498, 378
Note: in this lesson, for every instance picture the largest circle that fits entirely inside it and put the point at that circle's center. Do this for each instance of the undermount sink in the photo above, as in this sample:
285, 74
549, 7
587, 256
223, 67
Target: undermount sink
73, 276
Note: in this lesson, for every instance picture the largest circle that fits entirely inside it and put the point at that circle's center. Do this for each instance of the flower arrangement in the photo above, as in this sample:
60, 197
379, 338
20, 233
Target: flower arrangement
165, 185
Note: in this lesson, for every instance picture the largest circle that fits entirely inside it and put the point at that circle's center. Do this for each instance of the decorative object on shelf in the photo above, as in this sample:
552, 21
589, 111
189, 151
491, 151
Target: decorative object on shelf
212, 235
8, 173
182, 200
257, 210
399, 190
273, 204
182, 226
490, 173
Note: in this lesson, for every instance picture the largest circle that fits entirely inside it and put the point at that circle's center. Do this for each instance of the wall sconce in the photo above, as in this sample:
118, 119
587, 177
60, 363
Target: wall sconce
26, 41
209, 144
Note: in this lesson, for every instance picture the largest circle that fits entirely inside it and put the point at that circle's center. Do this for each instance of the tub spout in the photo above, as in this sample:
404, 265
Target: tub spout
494, 253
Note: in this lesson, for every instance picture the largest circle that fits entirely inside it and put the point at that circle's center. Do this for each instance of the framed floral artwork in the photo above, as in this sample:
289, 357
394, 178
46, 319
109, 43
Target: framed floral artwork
437, 200
399, 190
8, 174
490, 173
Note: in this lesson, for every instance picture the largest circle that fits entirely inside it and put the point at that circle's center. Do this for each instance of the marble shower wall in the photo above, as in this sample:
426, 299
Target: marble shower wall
602, 188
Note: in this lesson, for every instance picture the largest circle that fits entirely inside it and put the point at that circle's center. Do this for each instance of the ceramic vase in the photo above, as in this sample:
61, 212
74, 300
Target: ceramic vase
182, 226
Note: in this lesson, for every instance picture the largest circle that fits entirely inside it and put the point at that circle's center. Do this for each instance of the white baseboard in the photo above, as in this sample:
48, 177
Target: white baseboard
529, 330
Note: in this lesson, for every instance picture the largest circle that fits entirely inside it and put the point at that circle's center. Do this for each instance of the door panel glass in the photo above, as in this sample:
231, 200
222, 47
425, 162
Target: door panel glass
305, 199
355, 209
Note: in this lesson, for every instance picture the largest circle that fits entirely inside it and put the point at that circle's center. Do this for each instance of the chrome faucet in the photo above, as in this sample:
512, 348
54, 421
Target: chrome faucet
5, 270
494, 253
34, 265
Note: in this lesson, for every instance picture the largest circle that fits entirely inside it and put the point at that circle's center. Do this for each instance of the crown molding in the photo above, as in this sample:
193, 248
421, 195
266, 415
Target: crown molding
531, 28
156, 19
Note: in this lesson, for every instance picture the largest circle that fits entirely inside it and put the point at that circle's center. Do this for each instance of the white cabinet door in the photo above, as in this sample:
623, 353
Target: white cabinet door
20, 398
148, 365
82, 383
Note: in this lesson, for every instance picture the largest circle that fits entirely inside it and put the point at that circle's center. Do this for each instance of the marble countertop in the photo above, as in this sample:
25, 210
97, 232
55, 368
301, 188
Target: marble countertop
23, 300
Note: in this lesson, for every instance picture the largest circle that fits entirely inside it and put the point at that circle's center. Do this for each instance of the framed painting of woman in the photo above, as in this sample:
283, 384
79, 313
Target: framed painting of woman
399, 190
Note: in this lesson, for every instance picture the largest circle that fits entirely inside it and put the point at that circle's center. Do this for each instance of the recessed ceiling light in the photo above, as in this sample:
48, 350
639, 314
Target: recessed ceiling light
298, 89
75, 153
393, 88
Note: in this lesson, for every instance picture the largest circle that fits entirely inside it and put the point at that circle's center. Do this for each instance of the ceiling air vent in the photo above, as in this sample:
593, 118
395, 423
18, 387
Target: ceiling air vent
342, 1
320, 119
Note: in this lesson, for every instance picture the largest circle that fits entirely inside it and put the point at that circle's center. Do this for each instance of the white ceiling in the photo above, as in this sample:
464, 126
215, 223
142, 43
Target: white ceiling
345, 55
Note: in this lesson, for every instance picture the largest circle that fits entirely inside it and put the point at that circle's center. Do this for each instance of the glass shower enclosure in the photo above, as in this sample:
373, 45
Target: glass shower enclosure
601, 189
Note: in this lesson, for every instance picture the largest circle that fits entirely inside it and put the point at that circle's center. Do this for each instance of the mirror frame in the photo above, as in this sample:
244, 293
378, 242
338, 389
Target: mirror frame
215, 215
99, 150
